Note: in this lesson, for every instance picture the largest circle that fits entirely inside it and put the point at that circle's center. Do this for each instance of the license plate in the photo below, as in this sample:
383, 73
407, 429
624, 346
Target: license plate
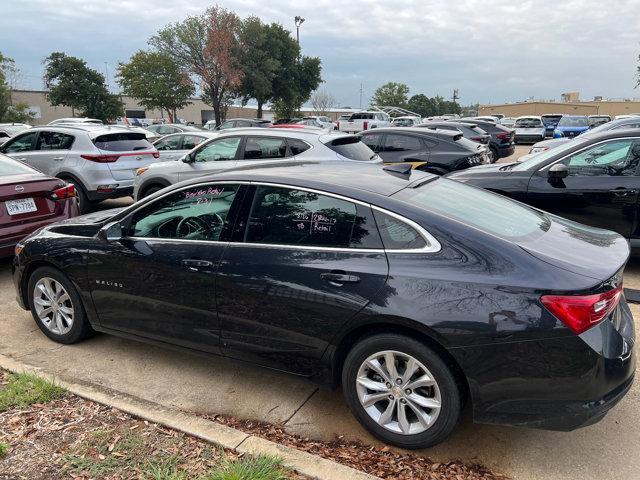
23, 205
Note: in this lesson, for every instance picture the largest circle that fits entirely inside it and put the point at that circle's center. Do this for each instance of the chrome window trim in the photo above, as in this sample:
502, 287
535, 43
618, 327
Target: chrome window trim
432, 244
608, 140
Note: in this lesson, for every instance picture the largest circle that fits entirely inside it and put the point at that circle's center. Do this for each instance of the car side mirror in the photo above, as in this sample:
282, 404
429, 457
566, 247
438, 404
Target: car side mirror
111, 232
187, 158
558, 171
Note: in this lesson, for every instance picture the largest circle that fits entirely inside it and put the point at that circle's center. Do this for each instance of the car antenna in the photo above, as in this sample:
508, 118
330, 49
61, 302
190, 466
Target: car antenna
401, 168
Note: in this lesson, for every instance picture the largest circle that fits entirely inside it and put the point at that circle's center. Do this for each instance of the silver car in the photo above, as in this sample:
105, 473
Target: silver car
100, 160
177, 145
8, 130
248, 146
168, 128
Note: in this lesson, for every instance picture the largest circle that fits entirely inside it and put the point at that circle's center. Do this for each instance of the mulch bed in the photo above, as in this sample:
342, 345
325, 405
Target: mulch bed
380, 461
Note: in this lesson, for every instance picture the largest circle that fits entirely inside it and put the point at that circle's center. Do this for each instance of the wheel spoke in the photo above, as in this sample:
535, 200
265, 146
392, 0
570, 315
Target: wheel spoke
376, 367
425, 402
372, 384
59, 326
67, 318
423, 381
390, 365
405, 426
387, 415
374, 398
412, 368
66, 310
64, 297
45, 311
423, 417
42, 302
43, 289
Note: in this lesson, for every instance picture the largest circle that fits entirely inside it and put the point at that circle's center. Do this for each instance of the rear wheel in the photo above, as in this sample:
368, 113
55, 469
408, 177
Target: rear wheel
401, 391
493, 155
84, 204
151, 190
56, 306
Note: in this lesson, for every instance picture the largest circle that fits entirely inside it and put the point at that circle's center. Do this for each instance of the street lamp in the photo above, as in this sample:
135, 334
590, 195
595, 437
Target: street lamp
299, 20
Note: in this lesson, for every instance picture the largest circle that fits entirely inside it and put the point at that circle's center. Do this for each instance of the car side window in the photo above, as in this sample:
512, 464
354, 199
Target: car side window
54, 141
401, 143
614, 158
189, 142
284, 216
372, 141
198, 213
226, 125
297, 146
168, 143
23, 143
396, 234
219, 150
259, 148
242, 123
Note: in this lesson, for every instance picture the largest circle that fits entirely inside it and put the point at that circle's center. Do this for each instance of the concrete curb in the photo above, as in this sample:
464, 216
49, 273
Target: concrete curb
227, 437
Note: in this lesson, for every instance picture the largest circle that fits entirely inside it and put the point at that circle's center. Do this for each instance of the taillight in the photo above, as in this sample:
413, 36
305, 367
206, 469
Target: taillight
365, 125
68, 191
477, 139
101, 158
156, 154
581, 312
504, 135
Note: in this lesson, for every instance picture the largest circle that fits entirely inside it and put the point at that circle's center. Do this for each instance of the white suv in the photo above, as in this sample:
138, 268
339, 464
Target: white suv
100, 160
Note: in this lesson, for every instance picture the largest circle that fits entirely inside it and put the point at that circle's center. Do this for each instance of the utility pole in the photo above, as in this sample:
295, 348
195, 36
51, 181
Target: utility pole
456, 95
106, 74
361, 87
299, 21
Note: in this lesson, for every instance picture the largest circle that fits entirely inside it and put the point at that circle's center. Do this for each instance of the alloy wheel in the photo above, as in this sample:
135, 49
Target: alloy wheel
53, 305
398, 392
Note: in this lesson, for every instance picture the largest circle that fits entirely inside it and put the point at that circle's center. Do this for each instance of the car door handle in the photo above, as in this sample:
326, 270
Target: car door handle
194, 264
22, 159
338, 278
58, 159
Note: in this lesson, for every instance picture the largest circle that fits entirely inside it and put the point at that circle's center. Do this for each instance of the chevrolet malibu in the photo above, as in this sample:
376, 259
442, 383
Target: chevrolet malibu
416, 293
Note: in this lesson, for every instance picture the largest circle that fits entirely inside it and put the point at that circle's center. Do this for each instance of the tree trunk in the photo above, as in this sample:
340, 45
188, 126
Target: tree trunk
259, 115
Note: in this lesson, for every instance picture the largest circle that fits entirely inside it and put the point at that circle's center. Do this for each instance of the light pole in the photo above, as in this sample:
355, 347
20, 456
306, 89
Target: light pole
299, 20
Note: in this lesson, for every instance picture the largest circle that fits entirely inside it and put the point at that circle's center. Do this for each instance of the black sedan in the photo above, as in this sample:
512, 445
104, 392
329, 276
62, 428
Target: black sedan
415, 292
468, 130
593, 180
433, 151
502, 143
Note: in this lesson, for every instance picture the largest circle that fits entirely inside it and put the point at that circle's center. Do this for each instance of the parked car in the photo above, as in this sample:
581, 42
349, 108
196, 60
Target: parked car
550, 121
250, 146
406, 121
310, 122
529, 129
433, 151
162, 129
501, 143
571, 126
100, 160
508, 122
284, 121
342, 118
238, 123
597, 120
29, 200
77, 120
8, 130
592, 180
488, 118
416, 294
623, 123
321, 121
361, 121
177, 145
468, 130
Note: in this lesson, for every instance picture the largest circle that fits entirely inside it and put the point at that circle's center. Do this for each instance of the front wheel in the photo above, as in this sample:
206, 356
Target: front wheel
401, 391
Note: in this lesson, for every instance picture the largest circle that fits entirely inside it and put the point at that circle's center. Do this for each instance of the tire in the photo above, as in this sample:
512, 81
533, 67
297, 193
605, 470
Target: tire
151, 190
493, 155
439, 422
84, 204
75, 330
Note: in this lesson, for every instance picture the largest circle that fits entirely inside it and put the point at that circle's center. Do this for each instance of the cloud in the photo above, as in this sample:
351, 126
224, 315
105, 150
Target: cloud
493, 51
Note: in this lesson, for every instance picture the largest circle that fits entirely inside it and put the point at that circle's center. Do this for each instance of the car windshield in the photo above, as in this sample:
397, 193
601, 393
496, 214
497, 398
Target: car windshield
14, 129
486, 211
541, 158
9, 166
573, 122
528, 122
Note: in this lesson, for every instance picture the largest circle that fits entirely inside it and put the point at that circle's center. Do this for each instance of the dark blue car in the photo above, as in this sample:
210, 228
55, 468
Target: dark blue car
550, 121
571, 126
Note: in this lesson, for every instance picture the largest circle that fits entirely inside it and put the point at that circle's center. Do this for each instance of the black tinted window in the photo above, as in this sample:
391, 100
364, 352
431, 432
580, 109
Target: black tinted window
259, 148
362, 116
195, 214
294, 217
297, 146
396, 234
122, 142
351, 147
372, 140
54, 141
401, 143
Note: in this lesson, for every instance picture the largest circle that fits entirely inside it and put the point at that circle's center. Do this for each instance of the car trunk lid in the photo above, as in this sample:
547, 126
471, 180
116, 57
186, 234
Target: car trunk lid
124, 153
34, 186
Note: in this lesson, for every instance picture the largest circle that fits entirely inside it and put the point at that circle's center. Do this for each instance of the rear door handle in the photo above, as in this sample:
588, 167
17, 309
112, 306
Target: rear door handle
195, 264
58, 159
338, 278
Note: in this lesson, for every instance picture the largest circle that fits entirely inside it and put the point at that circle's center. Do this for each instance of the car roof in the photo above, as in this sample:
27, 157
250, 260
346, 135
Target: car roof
522, 117
92, 129
302, 132
418, 130
340, 177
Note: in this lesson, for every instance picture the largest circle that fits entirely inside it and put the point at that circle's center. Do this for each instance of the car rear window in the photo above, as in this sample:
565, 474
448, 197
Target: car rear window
9, 166
351, 147
486, 211
573, 122
528, 122
362, 116
122, 142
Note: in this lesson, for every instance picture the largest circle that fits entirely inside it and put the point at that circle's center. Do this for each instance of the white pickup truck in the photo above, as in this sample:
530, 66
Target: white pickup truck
361, 121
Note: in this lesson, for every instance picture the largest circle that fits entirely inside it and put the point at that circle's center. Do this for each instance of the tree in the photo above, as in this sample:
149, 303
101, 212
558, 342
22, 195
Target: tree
10, 113
206, 46
322, 101
422, 105
391, 94
157, 81
72, 83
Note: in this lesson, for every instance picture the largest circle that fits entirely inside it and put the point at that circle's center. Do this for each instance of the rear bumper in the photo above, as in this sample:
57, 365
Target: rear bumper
96, 196
529, 138
505, 150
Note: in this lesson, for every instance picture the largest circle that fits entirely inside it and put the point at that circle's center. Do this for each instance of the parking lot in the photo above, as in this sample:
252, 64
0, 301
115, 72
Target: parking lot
220, 386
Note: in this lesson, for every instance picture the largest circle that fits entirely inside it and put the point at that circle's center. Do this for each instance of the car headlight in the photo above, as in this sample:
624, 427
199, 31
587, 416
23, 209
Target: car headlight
141, 170
538, 149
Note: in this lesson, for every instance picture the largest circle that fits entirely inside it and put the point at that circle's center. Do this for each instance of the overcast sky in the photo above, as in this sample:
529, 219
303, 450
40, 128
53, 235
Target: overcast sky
491, 50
